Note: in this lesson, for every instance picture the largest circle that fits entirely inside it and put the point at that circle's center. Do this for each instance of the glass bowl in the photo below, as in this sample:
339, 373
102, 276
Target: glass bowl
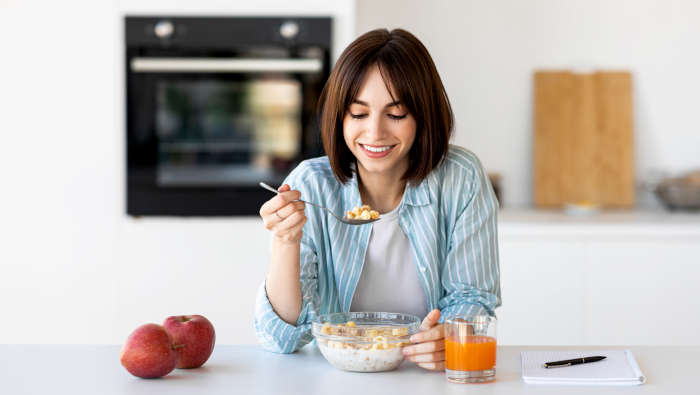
364, 341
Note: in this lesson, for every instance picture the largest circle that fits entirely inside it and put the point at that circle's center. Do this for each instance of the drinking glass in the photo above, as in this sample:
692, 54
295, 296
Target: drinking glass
470, 349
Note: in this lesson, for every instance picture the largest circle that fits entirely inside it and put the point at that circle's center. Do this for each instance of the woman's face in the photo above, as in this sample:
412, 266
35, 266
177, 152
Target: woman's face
379, 131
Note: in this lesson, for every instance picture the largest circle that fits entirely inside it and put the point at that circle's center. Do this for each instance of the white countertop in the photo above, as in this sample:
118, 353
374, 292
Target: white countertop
527, 221
95, 369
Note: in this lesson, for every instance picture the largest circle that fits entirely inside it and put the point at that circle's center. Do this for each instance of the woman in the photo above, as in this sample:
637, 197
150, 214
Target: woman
385, 123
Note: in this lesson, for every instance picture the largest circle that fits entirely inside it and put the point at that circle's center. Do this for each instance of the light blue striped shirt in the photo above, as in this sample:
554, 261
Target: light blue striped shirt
449, 218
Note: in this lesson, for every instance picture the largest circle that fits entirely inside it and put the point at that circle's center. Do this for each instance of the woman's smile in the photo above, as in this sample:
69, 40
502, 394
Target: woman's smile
377, 151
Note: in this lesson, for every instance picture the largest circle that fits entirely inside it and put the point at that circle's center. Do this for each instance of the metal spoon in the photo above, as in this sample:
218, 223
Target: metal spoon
341, 219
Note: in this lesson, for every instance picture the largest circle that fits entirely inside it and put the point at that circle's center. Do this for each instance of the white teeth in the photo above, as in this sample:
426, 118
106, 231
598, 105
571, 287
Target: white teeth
378, 149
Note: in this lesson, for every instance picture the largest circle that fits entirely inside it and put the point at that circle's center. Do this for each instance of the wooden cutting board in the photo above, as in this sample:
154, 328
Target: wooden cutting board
583, 139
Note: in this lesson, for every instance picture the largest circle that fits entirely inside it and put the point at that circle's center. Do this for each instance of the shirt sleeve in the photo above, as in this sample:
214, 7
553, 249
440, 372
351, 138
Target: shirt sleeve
471, 275
273, 333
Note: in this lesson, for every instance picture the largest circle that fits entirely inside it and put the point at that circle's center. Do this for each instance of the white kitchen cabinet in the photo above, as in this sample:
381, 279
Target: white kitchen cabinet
643, 292
614, 278
542, 286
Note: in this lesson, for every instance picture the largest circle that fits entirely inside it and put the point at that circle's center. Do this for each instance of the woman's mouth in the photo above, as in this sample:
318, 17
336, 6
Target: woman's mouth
377, 151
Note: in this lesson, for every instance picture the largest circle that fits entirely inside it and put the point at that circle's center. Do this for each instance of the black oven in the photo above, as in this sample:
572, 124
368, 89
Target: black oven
215, 105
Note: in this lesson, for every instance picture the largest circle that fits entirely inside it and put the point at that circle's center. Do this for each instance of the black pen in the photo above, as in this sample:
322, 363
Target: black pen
575, 361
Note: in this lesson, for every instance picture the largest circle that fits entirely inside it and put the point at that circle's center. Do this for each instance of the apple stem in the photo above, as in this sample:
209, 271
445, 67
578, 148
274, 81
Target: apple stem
176, 346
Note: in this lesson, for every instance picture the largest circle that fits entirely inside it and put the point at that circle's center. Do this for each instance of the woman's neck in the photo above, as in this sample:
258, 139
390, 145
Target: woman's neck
382, 192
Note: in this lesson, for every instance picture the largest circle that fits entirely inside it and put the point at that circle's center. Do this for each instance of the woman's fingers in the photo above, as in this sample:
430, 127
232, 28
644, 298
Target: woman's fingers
430, 320
432, 334
279, 201
276, 217
286, 218
438, 356
290, 222
284, 215
426, 347
279, 208
289, 209
429, 350
283, 199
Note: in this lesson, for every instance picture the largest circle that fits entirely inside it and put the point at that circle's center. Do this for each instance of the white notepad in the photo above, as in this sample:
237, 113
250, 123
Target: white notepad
619, 368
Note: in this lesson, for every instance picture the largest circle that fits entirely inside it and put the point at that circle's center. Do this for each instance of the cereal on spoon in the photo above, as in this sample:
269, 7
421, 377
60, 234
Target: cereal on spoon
363, 212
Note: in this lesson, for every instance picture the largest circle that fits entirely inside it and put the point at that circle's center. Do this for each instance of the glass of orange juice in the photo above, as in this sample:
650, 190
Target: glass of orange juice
470, 349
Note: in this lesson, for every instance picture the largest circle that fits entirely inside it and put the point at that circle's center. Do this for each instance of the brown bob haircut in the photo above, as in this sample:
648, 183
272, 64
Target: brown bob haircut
405, 65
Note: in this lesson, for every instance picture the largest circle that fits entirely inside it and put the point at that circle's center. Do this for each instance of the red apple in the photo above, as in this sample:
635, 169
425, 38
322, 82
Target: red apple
149, 352
197, 335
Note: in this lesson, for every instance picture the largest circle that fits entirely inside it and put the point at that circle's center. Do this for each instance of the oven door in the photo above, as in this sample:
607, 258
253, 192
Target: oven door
203, 132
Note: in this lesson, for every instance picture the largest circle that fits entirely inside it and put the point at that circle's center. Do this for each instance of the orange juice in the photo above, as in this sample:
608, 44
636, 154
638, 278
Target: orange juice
470, 353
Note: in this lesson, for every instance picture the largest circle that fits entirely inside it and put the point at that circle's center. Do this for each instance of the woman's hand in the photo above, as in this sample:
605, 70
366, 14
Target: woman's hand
428, 352
284, 216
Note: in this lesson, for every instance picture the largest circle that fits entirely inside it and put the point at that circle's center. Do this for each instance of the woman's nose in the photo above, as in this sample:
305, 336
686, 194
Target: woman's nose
374, 127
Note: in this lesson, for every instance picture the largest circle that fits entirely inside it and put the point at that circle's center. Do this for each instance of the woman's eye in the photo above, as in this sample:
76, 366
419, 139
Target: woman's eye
397, 117
358, 116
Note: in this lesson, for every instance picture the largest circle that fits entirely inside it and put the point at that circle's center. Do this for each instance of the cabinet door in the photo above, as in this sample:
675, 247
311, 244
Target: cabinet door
542, 286
644, 292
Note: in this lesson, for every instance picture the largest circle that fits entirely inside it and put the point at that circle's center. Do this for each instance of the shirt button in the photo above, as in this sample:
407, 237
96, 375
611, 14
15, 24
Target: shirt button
422, 269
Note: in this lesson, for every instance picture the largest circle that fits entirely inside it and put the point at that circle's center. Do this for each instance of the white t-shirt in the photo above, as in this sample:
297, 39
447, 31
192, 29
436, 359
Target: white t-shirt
389, 279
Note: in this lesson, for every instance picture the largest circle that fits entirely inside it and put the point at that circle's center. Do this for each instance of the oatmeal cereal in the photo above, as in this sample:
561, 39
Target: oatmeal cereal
360, 359
363, 348
364, 212
326, 329
364, 341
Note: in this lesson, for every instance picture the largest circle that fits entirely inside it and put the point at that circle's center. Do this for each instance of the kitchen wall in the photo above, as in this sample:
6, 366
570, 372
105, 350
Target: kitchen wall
73, 267
486, 52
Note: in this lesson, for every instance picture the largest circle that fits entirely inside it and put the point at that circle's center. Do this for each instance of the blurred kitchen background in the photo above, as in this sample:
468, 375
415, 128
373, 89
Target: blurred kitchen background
108, 223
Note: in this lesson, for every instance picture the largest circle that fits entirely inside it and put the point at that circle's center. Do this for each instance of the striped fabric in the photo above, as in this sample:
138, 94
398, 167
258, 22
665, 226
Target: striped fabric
449, 218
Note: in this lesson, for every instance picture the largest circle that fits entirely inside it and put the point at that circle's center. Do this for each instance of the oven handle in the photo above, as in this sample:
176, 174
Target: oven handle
224, 65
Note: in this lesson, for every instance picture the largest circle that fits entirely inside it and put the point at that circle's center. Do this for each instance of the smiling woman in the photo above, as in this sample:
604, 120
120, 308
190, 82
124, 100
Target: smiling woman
385, 122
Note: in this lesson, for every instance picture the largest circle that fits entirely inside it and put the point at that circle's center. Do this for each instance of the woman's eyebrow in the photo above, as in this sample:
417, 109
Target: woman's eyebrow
362, 103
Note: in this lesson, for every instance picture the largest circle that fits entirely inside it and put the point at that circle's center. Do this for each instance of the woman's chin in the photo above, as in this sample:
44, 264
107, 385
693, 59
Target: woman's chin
371, 167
